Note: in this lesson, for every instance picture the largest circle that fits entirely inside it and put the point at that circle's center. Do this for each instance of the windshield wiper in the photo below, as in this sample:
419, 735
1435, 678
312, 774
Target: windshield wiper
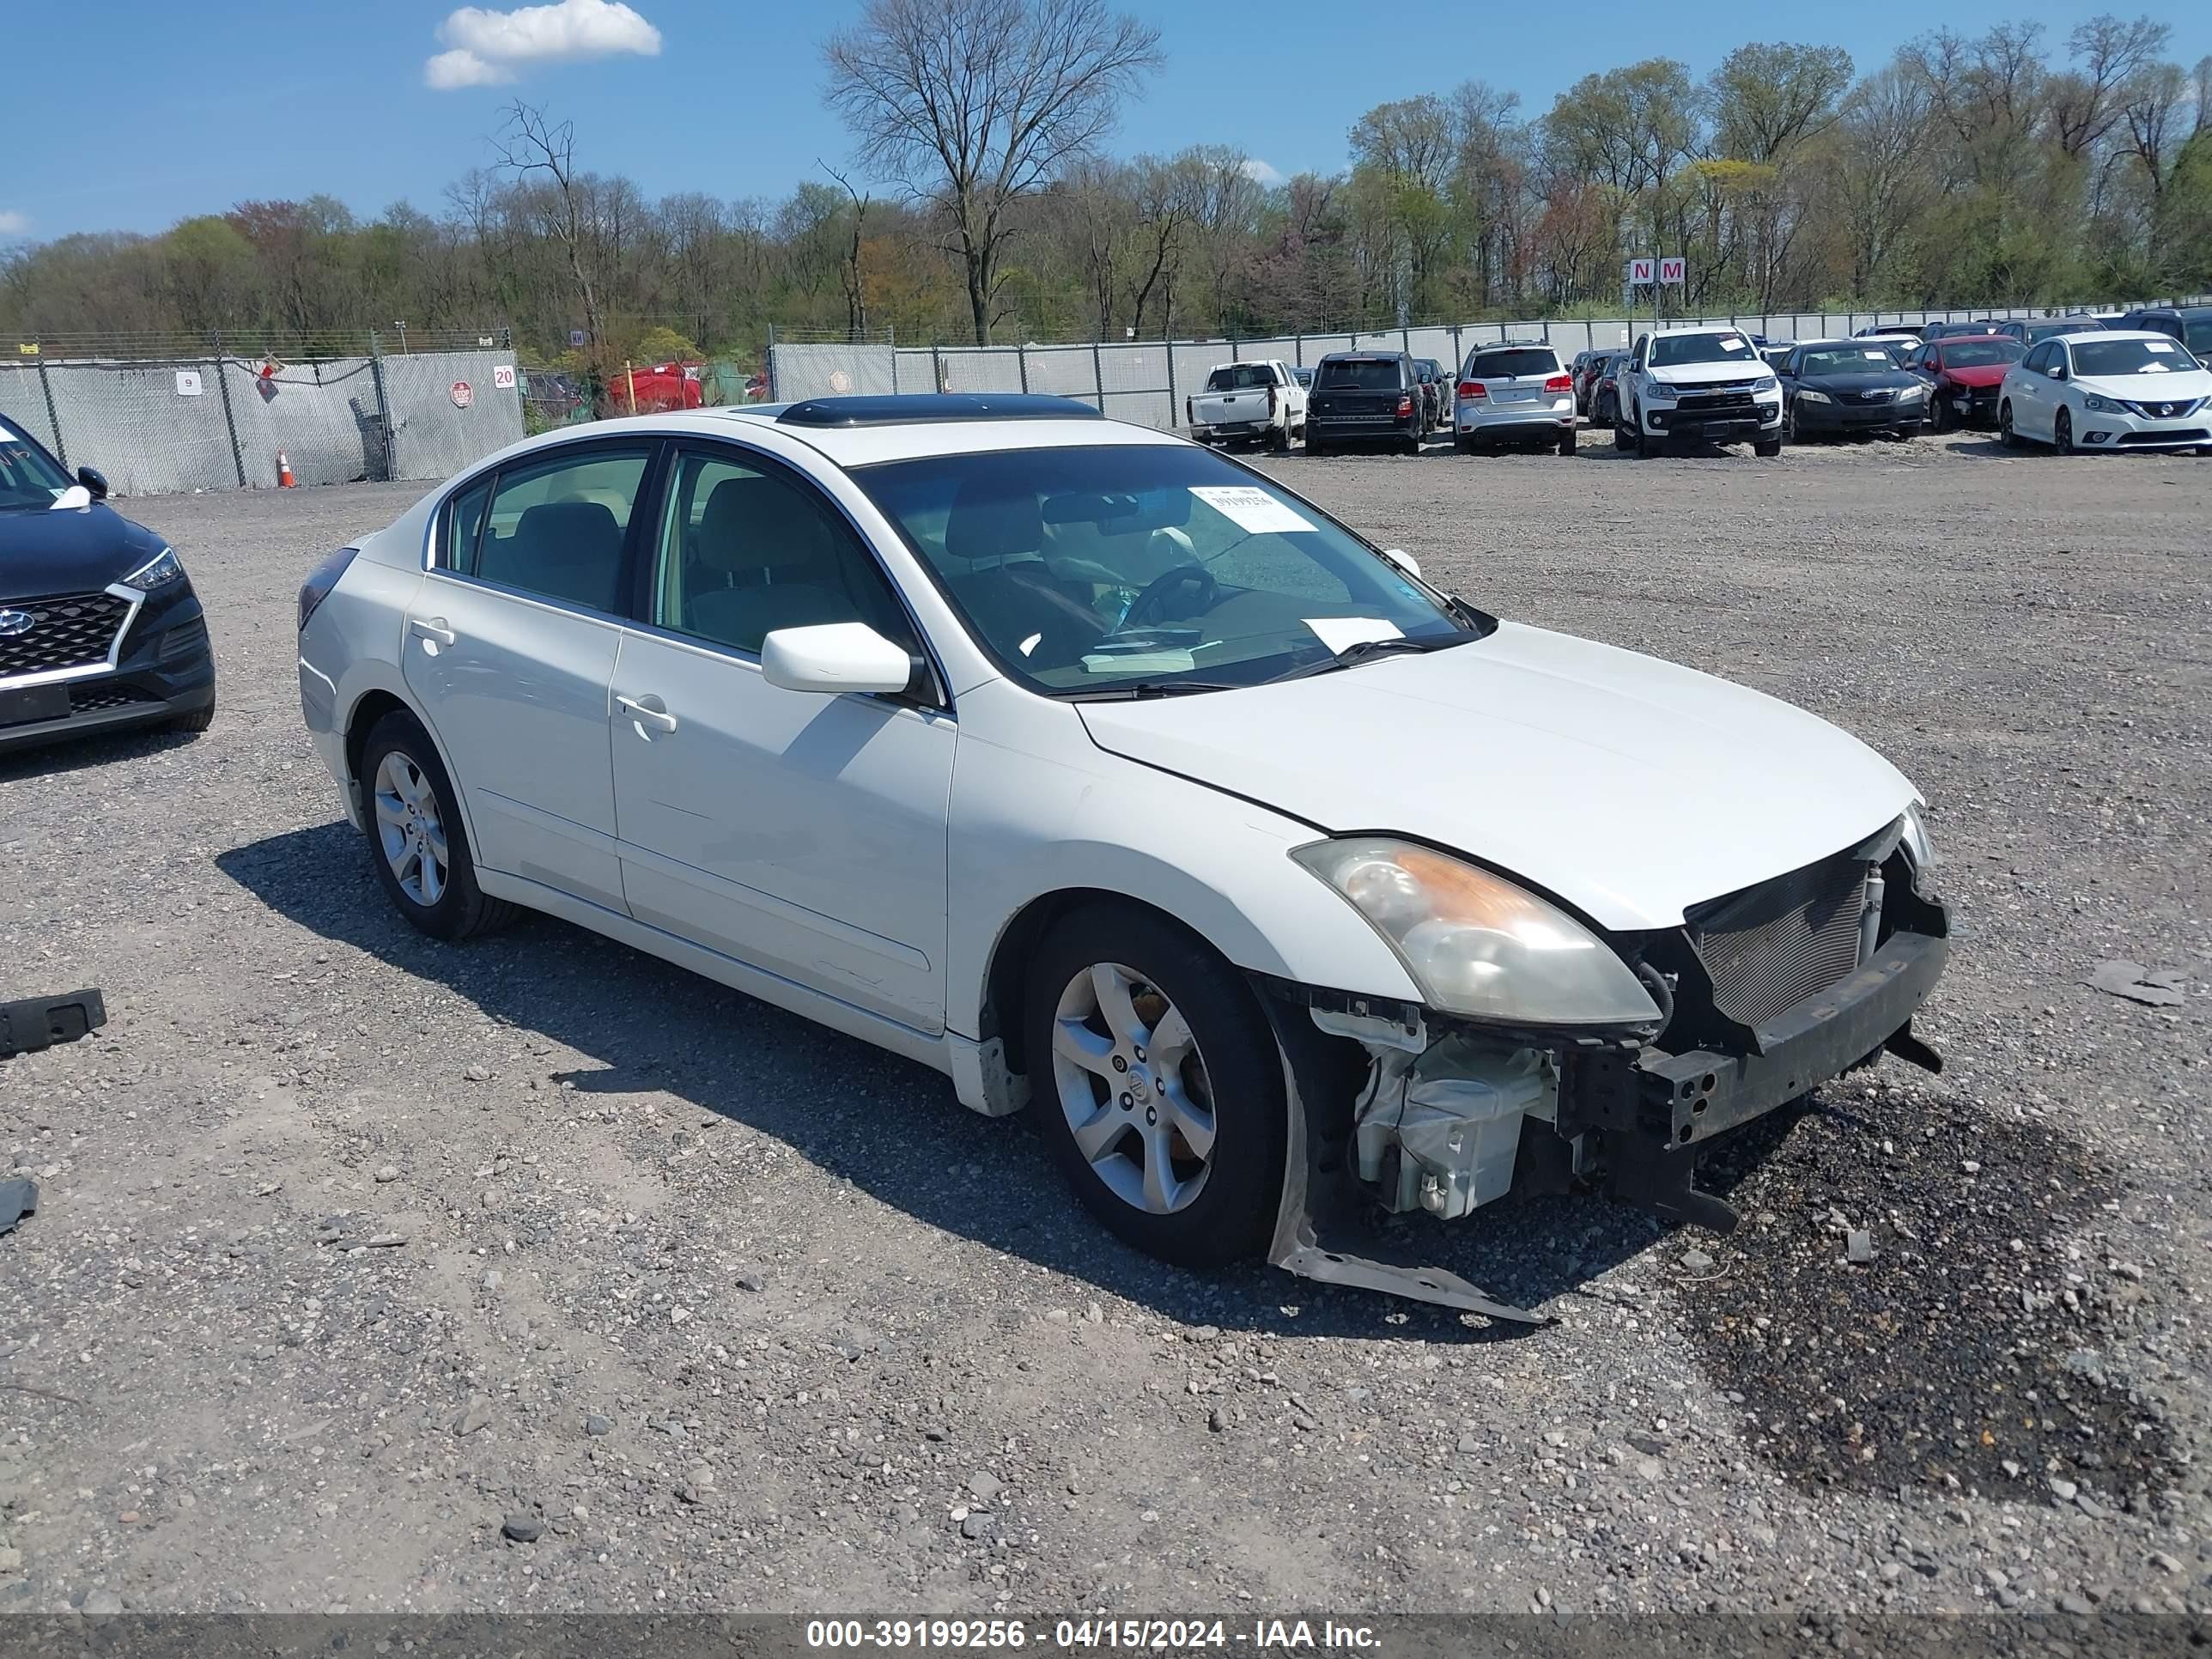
1360, 650
1134, 689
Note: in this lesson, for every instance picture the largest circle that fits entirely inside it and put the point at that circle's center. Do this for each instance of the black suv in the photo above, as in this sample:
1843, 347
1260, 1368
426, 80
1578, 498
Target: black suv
99, 624
1365, 397
2191, 324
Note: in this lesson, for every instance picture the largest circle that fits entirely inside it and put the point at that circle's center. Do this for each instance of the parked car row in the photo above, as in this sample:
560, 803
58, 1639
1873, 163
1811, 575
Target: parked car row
1705, 384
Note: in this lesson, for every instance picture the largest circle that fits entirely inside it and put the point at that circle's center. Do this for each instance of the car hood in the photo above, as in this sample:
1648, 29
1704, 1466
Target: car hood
1630, 787
1977, 374
2185, 387
76, 550
1872, 379
1747, 367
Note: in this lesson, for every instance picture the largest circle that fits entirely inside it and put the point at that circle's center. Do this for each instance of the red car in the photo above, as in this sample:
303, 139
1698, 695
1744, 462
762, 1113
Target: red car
1963, 372
658, 387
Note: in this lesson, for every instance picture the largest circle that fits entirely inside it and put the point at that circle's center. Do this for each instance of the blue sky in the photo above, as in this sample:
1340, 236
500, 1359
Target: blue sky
137, 112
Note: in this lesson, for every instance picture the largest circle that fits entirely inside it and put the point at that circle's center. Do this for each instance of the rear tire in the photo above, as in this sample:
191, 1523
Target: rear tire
458, 908
1567, 441
1228, 1080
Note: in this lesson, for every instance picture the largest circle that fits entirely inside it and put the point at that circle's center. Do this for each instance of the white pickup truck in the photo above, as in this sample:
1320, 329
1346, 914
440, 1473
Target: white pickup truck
1260, 400
1705, 384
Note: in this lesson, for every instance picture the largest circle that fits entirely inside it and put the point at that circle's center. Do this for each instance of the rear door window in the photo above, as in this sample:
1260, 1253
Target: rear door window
560, 528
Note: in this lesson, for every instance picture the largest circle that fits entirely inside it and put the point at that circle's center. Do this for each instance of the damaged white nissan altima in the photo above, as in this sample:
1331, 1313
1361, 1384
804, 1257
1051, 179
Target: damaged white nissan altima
1112, 778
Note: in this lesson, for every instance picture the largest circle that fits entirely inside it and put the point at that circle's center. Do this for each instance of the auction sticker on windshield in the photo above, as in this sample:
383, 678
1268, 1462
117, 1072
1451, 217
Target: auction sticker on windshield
1255, 510
1339, 632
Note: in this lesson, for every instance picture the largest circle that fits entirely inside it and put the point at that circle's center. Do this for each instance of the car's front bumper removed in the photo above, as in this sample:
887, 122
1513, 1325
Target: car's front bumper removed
1630, 1123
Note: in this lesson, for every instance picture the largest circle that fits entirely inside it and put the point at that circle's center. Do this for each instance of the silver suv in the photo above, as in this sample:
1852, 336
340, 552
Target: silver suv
1515, 394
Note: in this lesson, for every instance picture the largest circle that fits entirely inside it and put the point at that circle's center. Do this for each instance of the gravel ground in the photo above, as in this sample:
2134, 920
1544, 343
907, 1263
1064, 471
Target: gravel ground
377, 1275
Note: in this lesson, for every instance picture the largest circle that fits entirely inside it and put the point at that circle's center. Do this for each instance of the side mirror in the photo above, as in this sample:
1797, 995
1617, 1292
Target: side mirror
2056, 371
93, 481
1403, 560
834, 658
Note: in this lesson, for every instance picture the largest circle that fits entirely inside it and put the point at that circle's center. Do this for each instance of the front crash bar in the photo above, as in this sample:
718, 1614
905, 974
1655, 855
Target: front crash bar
1318, 1218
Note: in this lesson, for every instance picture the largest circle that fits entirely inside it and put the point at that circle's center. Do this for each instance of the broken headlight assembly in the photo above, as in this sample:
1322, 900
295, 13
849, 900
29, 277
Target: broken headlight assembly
1476, 945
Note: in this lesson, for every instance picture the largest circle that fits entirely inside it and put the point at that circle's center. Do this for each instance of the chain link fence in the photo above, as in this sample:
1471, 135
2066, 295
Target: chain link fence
220, 422
1147, 381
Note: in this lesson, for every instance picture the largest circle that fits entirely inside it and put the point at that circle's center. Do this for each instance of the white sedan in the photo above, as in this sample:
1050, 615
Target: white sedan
2107, 391
1108, 776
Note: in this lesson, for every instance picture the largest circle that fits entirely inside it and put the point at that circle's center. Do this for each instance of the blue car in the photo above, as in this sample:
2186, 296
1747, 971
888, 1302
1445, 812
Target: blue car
100, 628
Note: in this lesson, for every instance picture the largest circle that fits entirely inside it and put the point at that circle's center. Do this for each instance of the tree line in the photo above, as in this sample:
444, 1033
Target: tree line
981, 201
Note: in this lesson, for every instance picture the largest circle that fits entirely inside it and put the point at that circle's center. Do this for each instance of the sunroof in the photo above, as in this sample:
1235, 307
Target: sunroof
934, 406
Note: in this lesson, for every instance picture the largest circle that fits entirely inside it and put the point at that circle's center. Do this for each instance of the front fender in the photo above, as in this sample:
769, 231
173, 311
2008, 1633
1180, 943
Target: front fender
1038, 809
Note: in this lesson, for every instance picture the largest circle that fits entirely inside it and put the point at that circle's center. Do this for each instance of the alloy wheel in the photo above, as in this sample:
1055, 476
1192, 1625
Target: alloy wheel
408, 829
1134, 1088
2062, 433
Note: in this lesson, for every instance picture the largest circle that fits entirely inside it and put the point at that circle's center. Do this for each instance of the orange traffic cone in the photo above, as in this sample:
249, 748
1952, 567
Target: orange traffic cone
284, 479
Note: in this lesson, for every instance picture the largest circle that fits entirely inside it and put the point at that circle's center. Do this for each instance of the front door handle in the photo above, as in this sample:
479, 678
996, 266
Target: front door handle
647, 710
432, 627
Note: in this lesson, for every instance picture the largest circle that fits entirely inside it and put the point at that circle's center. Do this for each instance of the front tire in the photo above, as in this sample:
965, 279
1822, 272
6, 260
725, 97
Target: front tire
197, 721
415, 837
1157, 1085
2006, 436
1768, 448
2062, 433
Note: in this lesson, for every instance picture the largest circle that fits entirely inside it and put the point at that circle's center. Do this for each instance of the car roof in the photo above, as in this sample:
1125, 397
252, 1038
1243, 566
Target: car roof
2105, 334
1695, 328
864, 445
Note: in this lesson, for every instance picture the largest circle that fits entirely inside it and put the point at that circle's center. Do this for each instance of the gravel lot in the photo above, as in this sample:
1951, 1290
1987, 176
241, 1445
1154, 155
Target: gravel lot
697, 1305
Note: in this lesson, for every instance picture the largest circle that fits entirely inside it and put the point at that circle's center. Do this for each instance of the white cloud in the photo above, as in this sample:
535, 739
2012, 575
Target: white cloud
13, 223
1260, 174
460, 67
486, 47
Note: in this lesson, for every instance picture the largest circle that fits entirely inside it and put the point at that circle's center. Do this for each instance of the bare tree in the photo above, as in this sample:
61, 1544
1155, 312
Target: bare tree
2087, 103
856, 296
531, 145
970, 105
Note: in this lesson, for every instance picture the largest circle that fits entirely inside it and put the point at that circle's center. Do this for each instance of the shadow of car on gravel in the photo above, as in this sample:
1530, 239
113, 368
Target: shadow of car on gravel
888, 1126
73, 754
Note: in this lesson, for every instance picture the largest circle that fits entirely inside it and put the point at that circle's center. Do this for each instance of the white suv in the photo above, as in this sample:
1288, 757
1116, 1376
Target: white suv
1704, 384
1099, 772
1518, 394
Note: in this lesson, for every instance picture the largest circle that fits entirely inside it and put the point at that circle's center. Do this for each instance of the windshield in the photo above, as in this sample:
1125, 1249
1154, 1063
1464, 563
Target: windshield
1360, 374
2098, 358
28, 480
1083, 569
1239, 377
1730, 347
1873, 359
2197, 335
1504, 365
1982, 353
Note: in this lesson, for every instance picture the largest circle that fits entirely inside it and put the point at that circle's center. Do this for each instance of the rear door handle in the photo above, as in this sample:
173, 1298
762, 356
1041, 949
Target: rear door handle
647, 711
432, 627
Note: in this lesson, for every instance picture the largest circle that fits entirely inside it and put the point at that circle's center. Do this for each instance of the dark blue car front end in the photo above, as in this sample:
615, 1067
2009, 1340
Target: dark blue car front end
100, 627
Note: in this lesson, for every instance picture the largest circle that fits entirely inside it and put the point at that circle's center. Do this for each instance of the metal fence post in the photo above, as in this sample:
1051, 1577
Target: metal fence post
1098, 376
1021, 363
771, 362
229, 419
936, 366
1168, 346
1298, 350
383, 408
1459, 356
1404, 339
891, 335
53, 415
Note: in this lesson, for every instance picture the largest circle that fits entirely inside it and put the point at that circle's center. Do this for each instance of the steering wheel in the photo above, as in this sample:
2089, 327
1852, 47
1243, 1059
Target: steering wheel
1154, 599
